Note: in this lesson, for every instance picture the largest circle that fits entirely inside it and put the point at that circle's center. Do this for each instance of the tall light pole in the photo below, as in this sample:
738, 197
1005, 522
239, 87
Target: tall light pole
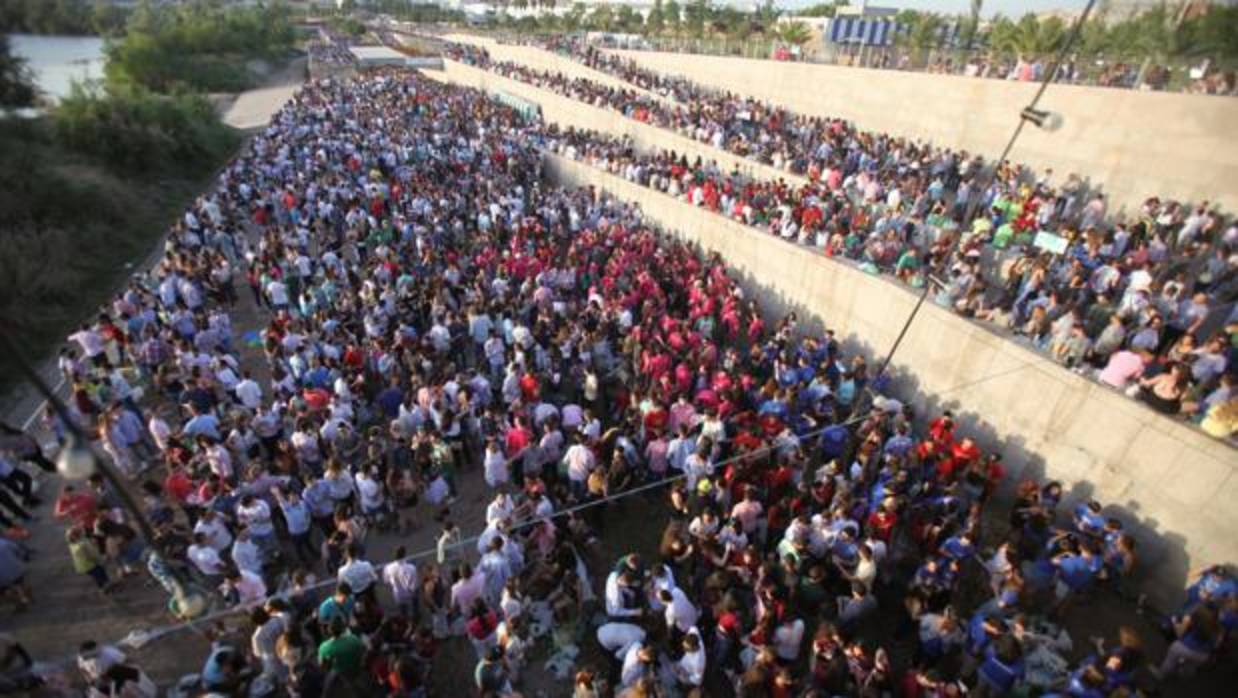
1029, 114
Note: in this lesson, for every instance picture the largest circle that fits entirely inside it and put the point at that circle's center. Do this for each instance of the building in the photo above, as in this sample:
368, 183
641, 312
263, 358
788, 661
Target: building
861, 24
374, 56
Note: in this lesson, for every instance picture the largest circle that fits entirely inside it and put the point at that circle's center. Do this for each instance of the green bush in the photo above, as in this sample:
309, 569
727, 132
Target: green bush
134, 129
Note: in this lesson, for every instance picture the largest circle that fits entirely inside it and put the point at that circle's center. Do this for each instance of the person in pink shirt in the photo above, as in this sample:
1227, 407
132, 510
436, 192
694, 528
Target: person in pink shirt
1123, 367
655, 454
748, 511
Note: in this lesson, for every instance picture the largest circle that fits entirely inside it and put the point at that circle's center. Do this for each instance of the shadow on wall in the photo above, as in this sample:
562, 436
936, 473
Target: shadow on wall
1163, 564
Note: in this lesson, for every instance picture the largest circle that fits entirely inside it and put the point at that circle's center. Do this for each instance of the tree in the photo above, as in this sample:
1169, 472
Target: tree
822, 9
1214, 33
106, 18
672, 15
626, 19
656, 21
922, 30
602, 18
1029, 36
16, 82
796, 33
973, 24
695, 16
575, 18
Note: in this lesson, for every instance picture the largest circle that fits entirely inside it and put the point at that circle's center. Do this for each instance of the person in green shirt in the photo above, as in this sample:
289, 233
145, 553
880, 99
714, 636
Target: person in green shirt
87, 558
343, 652
1003, 236
907, 264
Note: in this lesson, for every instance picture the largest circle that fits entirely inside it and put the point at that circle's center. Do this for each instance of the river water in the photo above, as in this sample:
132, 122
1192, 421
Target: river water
58, 61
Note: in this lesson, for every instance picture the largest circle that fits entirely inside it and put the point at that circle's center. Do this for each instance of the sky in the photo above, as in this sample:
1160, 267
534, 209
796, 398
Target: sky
1010, 8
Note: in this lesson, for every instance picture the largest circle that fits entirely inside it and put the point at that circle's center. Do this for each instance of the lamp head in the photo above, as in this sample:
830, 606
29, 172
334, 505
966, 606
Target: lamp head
1047, 120
76, 461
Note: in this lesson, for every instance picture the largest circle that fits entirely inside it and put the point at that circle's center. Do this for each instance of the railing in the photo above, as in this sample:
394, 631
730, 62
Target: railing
1197, 76
1202, 76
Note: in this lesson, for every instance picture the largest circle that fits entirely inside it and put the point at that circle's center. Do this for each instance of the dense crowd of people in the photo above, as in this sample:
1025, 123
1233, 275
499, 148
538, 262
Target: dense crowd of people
1204, 77
1144, 302
430, 308
328, 53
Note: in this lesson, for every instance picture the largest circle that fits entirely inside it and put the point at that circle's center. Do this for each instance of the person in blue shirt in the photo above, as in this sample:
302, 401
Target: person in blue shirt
1088, 519
225, 670
1198, 636
958, 548
1214, 585
833, 441
1089, 682
202, 423
901, 442
1002, 667
775, 406
1075, 573
338, 605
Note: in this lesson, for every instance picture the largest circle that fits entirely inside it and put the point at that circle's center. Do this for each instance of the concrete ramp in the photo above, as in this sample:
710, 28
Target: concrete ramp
254, 108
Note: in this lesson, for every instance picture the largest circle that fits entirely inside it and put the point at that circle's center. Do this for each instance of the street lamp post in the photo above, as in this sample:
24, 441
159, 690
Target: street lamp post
78, 460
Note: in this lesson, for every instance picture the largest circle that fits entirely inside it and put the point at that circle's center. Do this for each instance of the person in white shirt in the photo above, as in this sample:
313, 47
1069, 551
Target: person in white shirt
501, 509
277, 294
248, 587
690, 669
661, 580
788, 638
212, 525
580, 461
358, 574
619, 586
497, 570
369, 492
160, 432
249, 392
618, 638
90, 341
697, 466
255, 515
494, 464
681, 615
246, 553
400, 576
206, 558
638, 663
866, 569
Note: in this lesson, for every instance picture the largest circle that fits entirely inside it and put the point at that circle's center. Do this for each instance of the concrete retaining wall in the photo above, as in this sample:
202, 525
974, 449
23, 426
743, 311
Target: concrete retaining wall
541, 59
567, 112
1134, 144
1171, 484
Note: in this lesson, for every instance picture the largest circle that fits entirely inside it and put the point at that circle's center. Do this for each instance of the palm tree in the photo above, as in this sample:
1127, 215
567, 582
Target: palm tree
795, 33
1029, 36
973, 23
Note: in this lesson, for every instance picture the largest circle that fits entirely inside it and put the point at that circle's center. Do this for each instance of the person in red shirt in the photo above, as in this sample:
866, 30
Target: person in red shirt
962, 455
882, 521
178, 486
529, 388
81, 508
